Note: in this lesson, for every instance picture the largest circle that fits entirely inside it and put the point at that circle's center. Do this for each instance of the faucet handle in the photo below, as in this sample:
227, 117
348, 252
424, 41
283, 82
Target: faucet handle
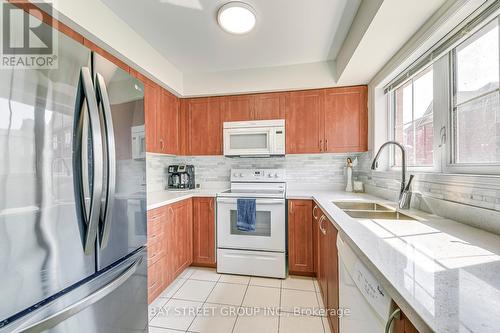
407, 188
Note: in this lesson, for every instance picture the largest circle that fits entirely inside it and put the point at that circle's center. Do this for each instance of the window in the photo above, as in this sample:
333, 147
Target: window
476, 107
445, 108
413, 120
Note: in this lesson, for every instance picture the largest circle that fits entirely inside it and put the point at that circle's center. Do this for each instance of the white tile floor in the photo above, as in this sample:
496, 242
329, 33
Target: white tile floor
203, 301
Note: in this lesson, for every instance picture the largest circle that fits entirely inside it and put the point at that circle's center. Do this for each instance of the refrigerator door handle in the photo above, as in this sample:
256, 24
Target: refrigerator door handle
109, 196
86, 95
75, 308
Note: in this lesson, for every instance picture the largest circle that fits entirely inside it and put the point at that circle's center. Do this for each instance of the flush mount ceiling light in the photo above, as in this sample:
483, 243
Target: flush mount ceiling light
236, 17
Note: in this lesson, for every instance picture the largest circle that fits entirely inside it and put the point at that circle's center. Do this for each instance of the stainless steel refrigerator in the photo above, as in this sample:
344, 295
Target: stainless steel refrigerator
72, 197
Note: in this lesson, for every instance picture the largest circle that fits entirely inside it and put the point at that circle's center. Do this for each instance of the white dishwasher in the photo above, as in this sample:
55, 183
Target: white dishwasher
361, 294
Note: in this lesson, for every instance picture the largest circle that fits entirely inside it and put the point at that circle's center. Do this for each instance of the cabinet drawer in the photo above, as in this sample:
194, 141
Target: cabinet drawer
155, 249
155, 280
155, 225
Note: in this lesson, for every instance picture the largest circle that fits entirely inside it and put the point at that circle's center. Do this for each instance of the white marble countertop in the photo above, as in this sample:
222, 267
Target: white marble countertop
443, 274
162, 198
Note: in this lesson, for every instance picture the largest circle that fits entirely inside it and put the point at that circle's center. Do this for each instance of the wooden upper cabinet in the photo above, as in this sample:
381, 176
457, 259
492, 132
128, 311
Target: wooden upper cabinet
346, 119
162, 116
150, 106
205, 126
183, 134
238, 108
304, 128
269, 106
204, 231
254, 107
167, 123
300, 237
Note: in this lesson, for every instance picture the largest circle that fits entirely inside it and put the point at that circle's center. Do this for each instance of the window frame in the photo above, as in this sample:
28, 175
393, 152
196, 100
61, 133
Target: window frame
444, 97
451, 166
392, 124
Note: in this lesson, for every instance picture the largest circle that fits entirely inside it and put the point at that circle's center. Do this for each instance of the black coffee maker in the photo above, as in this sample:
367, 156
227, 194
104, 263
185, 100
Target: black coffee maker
181, 177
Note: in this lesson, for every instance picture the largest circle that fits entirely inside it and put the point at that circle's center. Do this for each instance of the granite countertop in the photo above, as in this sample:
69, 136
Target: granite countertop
162, 198
443, 274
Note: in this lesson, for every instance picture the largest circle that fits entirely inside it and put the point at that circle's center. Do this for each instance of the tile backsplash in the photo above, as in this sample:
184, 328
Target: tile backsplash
321, 171
462, 189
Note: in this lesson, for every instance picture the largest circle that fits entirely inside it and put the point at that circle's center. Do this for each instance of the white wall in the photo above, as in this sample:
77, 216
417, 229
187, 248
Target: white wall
93, 18
362, 20
380, 29
295, 77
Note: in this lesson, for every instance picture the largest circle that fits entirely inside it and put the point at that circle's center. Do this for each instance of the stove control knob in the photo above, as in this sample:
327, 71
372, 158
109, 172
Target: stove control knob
241, 175
269, 175
235, 174
276, 175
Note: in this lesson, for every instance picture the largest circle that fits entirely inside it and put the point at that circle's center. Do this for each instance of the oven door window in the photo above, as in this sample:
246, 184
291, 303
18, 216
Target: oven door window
262, 224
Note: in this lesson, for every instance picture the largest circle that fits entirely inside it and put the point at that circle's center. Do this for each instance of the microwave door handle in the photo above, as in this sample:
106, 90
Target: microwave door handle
108, 202
271, 141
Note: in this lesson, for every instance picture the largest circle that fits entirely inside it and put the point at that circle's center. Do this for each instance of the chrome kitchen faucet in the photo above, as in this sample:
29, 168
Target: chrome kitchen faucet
405, 193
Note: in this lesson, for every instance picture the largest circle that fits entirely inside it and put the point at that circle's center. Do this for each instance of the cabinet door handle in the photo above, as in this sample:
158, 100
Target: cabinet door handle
323, 230
211, 204
291, 207
320, 145
161, 144
314, 215
326, 143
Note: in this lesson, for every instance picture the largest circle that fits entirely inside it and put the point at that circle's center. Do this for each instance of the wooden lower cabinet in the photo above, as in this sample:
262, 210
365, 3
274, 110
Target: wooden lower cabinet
326, 260
156, 281
169, 244
157, 260
300, 237
204, 232
404, 325
181, 236
322, 254
332, 276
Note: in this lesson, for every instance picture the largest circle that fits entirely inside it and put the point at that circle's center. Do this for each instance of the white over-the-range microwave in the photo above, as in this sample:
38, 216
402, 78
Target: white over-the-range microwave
259, 138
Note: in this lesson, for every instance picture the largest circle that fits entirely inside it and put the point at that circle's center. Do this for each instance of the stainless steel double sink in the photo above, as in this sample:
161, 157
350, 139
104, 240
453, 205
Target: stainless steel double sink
370, 210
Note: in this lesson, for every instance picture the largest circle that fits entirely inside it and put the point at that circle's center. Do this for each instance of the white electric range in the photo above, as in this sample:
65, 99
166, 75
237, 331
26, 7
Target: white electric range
261, 252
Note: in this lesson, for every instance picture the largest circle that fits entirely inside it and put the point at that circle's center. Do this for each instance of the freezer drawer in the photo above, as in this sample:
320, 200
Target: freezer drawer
115, 301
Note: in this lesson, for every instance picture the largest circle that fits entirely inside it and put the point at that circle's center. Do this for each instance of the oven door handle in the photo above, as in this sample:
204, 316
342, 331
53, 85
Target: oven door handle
258, 201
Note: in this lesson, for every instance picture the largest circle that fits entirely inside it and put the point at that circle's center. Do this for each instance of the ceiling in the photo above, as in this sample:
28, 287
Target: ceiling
288, 32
